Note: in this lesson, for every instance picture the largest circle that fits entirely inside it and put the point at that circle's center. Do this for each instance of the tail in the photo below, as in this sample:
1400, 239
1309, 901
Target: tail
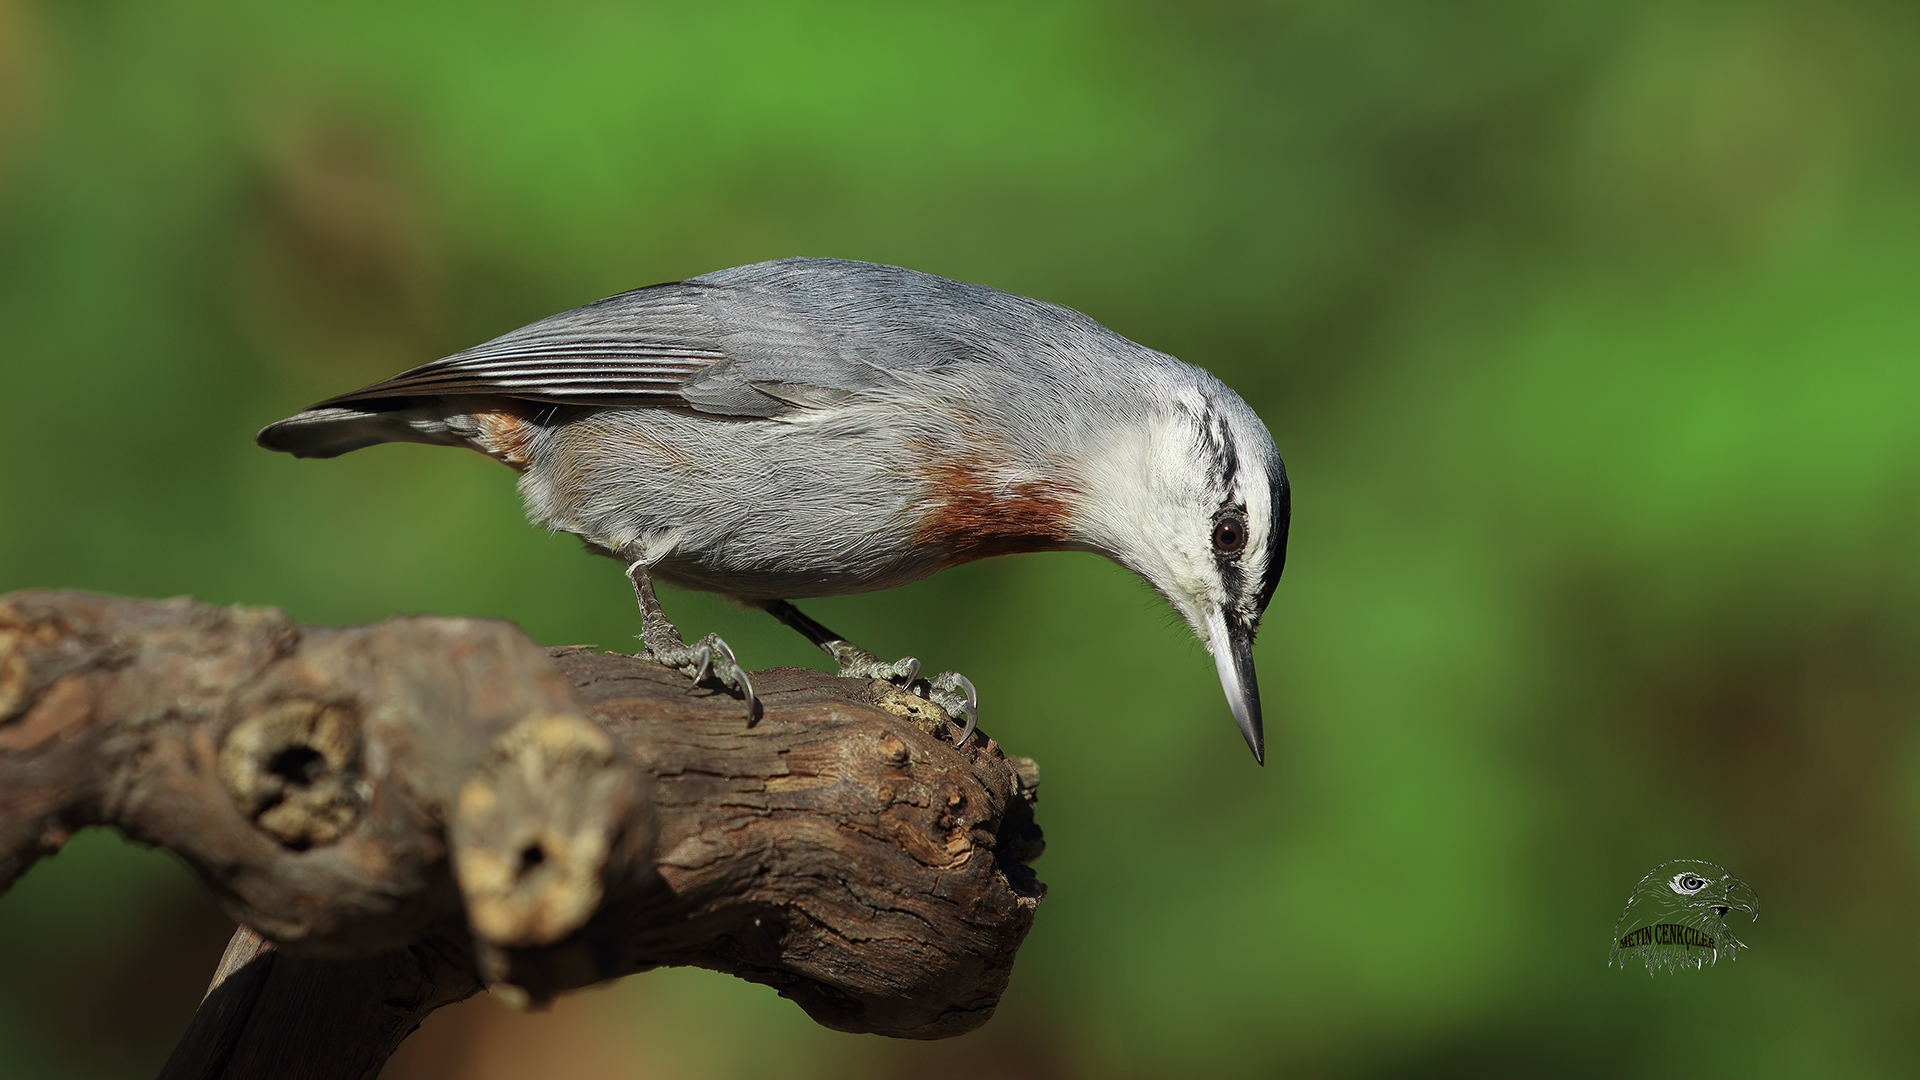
332, 431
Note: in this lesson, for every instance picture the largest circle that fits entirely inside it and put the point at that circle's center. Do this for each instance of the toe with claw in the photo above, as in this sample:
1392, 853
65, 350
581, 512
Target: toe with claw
858, 663
709, 661
954, 692
950, 690
716, 662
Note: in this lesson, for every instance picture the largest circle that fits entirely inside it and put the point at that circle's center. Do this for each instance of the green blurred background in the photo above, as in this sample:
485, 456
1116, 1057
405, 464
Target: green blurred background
1590, 331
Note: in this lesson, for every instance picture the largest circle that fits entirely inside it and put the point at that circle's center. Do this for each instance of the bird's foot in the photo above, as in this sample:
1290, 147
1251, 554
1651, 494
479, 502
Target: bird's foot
954, 692
950, 690
707, 661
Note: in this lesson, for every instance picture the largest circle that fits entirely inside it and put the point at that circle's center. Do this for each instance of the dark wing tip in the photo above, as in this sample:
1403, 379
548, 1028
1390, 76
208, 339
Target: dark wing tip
329, 432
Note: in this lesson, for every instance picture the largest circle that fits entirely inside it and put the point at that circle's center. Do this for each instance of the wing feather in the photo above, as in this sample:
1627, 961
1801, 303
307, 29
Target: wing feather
637, 348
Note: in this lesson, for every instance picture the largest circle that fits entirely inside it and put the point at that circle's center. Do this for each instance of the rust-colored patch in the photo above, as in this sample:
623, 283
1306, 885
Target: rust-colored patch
978, 512
506, 435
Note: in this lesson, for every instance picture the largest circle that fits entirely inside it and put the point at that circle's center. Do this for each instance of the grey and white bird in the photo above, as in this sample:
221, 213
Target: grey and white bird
817, 427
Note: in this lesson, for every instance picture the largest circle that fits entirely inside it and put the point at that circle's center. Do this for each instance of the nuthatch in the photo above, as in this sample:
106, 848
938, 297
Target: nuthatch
817, 427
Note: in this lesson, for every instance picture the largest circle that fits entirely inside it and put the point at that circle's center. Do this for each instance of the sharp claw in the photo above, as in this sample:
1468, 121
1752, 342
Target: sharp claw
746, 691
973, 697
973, 717
912, 664
716, 661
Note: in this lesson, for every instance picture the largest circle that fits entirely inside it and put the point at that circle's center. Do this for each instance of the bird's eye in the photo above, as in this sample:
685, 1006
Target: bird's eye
1688, 884
1229, 534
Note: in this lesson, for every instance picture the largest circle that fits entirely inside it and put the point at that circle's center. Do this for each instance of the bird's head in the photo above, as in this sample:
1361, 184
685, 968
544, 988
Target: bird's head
1193, 497
1677, 914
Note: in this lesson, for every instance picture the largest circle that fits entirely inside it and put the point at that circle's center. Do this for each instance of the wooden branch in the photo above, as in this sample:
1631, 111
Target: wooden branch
414, 810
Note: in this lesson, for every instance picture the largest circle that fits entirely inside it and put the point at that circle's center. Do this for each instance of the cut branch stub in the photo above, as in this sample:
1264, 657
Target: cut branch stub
546, 816
293, 767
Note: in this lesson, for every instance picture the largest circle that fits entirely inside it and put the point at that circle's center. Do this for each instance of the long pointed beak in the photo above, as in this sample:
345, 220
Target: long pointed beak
1232, 648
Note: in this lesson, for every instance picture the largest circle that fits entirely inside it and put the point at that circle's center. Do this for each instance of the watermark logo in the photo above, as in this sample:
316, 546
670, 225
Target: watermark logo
1677, 917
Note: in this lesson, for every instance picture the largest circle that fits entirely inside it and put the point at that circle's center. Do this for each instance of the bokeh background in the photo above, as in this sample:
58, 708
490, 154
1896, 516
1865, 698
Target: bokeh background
1590, 331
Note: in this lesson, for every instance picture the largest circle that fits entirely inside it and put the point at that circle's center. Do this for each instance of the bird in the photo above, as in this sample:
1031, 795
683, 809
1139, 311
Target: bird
808, 427
1676, 916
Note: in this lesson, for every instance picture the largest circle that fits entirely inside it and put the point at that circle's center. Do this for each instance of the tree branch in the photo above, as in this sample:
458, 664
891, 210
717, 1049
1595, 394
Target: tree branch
414, 810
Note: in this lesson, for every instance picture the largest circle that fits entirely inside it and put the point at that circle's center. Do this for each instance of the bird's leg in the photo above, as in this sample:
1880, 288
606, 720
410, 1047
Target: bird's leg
855, 662
709, 658
950, 690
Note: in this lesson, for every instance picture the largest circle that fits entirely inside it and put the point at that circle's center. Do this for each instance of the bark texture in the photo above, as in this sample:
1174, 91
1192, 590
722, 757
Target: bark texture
412, 811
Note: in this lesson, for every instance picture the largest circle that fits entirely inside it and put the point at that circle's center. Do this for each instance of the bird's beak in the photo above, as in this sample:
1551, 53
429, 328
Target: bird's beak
1740, 897
1232, 648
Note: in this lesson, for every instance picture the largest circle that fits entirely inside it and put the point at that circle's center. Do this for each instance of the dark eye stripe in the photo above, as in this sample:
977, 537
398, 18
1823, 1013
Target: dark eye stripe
1281, 507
